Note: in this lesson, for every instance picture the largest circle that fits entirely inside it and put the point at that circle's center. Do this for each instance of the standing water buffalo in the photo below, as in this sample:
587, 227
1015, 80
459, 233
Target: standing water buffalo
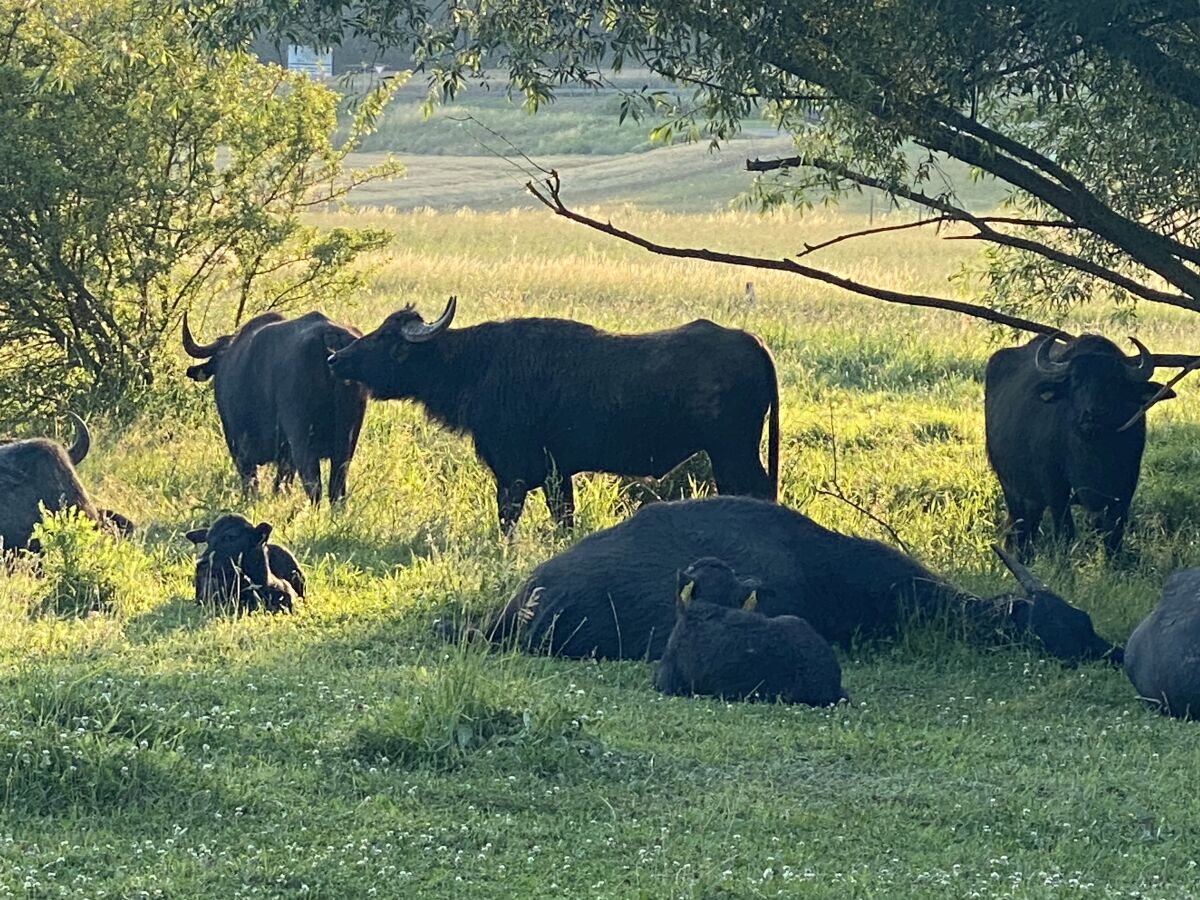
1054, 416
610, 595
722, 647
546, 398
278, 401
40, 471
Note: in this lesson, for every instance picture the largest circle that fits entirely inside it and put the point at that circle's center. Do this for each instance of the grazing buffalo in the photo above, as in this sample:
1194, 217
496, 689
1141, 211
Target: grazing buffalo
721, 647
1162, 658
37, 471
610, 594
546, 398
1054, 415
241, 570
278, 401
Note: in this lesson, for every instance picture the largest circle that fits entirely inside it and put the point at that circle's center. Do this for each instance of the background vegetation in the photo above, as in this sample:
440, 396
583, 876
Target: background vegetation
151, 749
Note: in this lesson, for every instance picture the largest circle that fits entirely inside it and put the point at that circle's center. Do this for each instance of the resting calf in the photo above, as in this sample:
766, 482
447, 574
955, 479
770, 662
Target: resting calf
239, 569
723, 648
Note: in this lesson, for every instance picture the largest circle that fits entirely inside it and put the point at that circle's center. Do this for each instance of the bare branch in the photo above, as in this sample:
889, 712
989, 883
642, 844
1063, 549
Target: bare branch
987, 233
838, 494
1162, 392
548, 194
936, 220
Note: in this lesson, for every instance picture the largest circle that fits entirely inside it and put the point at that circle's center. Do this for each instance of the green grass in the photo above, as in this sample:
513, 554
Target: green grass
454, 155
152, 749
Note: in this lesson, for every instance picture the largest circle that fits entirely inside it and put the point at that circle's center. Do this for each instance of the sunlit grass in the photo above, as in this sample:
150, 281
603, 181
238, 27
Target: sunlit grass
150, 748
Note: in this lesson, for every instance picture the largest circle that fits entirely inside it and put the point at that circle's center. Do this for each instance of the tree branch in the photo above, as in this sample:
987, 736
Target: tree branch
549, 194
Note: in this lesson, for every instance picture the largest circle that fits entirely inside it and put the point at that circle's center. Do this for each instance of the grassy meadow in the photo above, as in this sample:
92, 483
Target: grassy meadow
157, 750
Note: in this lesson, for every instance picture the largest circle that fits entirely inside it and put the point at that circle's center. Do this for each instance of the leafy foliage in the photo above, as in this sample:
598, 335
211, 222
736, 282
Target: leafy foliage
140, 171
1085, 111
84, 569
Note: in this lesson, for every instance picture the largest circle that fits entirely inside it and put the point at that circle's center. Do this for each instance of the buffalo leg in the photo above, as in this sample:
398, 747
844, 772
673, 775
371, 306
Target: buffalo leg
510, 499
741, 474
249, 475
347, 426
560, 499
309, 467
1064, 522
285, 473
1115, 518
1023, 522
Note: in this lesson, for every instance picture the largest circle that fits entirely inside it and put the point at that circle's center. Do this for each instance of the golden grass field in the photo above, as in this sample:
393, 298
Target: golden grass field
343, 751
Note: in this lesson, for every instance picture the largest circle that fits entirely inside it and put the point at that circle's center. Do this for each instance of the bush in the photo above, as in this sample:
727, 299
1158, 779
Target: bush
85, 570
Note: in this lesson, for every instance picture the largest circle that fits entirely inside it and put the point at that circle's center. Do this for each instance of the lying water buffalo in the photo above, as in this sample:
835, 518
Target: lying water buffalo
279, 403
1162, 658
1054, 415
610, 594
241, 570
546, 398
721, 647
40, 471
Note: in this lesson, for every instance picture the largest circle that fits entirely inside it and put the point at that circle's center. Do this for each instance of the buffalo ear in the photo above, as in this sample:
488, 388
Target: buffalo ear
201, 371
1148, 389
687, 588
197, 535
1049, 391
263, 531
751, 603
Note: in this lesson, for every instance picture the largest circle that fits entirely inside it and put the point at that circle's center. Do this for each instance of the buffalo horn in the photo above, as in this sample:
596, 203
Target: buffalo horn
199, 351
83, 441
1141, 368
1047, 366
1022, 574
418, 332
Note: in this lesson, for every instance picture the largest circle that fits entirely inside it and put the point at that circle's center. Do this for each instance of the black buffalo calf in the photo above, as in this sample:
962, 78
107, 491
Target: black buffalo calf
722, 647
241, 570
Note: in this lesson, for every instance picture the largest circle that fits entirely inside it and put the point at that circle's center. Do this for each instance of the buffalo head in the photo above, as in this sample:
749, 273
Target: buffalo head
234, 569
388, 359
1064, 630
1101, 386
711, 580
210, 353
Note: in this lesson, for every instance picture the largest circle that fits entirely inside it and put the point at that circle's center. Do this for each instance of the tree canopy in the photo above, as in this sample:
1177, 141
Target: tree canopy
140, 170
1087, 111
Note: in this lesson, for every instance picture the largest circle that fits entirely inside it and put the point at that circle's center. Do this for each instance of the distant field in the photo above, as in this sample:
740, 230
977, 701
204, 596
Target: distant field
156, 750
453, 162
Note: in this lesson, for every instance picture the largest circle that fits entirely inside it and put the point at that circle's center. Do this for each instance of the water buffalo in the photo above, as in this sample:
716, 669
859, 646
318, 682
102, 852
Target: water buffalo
279, 403
1054, 415
40, 471
721, 647
547, 398
1162, 658
610, 594
241, 570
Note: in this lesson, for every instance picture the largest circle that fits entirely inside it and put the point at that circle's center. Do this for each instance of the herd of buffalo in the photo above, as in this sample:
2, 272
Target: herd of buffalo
736, 596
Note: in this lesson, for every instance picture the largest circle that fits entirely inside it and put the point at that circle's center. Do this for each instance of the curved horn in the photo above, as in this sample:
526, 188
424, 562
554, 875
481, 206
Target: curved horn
83, 440
1141, 368
199, 351
418, 332
1022, 574
1045, 365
